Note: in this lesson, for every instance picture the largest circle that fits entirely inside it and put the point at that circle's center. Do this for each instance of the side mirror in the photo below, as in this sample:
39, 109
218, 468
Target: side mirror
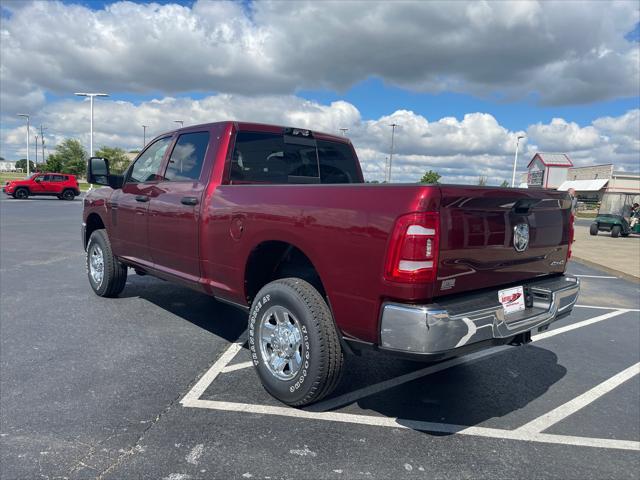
98, 173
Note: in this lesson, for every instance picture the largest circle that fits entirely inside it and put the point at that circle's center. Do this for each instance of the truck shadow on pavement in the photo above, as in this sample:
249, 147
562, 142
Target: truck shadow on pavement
220, 319
493, 390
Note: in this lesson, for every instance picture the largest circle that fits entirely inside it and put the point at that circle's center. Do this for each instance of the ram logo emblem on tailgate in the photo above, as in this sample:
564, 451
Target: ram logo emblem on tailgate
521, 237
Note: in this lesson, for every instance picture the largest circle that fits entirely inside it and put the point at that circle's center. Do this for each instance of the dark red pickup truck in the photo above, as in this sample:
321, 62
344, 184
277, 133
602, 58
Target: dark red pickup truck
279, 221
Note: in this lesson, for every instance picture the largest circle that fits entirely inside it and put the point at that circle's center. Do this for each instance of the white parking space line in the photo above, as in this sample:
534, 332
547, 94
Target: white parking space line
593, 276
355, 395
608, 308
573, 326
379, 421
563, 411
237, 366
211, 374
471, 358
192, 398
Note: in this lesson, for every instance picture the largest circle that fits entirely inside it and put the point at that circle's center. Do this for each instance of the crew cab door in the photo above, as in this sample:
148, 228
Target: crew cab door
128, 206
174, 208
38, 184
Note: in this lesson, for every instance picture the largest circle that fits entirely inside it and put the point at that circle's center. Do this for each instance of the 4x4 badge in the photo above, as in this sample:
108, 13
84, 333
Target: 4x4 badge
521, 237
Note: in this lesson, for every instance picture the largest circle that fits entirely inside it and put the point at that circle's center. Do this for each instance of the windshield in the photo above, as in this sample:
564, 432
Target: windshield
617, 204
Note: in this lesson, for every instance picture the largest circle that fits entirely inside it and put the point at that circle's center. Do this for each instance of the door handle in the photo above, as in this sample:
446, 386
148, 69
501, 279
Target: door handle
142, 198
189, 201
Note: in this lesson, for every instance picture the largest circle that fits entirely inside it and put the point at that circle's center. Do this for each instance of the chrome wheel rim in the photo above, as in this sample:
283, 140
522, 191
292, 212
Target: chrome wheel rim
280, 339
96, 264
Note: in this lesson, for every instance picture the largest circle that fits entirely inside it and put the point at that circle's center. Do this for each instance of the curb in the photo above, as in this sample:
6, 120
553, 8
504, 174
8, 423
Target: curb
612, 271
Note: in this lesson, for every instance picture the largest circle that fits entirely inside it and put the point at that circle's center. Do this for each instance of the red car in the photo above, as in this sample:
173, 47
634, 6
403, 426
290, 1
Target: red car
61, 185
279, 222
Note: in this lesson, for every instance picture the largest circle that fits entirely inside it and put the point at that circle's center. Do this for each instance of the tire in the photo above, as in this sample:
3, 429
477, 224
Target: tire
60, 197
306, 346
113, 276
68, 194
615, 231
593, 229
22, 193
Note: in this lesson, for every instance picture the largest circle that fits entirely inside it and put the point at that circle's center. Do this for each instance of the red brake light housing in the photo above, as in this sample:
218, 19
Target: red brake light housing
412, 254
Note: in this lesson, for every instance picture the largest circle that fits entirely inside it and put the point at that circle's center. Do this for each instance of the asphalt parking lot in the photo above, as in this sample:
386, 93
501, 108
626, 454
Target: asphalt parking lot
155, 384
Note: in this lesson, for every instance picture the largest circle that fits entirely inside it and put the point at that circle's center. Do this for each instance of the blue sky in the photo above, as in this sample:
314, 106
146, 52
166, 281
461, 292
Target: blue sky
375, 98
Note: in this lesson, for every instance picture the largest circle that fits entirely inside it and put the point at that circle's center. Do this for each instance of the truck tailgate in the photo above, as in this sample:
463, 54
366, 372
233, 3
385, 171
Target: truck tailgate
477, 236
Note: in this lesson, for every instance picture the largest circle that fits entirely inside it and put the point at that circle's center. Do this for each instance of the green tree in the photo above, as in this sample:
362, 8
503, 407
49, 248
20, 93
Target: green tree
504, 184
69, 157
22, 163
118, 159
431, 177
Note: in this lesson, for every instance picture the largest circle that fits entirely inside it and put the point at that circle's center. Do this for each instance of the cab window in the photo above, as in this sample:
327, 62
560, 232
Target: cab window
147, 165
187, 157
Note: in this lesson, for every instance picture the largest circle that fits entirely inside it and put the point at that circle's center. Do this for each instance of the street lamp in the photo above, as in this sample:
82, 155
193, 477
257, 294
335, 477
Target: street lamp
27, 117
515, 161
344, 131
393, 131
181, 122
144, 135
91, 96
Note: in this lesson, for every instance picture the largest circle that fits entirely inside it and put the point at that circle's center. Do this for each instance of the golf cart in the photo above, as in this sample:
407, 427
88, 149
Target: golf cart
616, 215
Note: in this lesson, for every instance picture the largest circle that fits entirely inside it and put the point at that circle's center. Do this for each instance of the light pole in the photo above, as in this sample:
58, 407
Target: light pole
515, 161
42, 129
144, 136
91, 97
27, 117
393, 131
36, 162
344, 131
181, 122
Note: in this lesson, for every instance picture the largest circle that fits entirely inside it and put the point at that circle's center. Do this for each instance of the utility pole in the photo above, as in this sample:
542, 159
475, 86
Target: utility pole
144, 136
36, 162
393, 131
91, 97
42, 129
344, 131
27, 117
515, 162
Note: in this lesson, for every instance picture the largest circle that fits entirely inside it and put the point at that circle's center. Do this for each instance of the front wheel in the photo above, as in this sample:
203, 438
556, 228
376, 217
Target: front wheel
22, 193
107, 276
615, 231
593, 229
293, 342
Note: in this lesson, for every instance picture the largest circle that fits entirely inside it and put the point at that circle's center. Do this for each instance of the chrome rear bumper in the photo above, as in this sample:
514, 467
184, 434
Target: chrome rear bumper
464, 320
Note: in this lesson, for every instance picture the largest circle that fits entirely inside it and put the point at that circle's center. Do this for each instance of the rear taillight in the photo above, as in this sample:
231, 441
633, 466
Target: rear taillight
412, 255
571, 234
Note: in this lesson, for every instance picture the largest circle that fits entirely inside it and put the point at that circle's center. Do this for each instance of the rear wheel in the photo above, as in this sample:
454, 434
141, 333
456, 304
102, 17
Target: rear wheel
107, 276
22, 193
68, 194
593, 229
615, 231
293, 342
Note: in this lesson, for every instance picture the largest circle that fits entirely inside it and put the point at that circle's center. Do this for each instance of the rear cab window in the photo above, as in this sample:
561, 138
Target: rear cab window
272, 158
